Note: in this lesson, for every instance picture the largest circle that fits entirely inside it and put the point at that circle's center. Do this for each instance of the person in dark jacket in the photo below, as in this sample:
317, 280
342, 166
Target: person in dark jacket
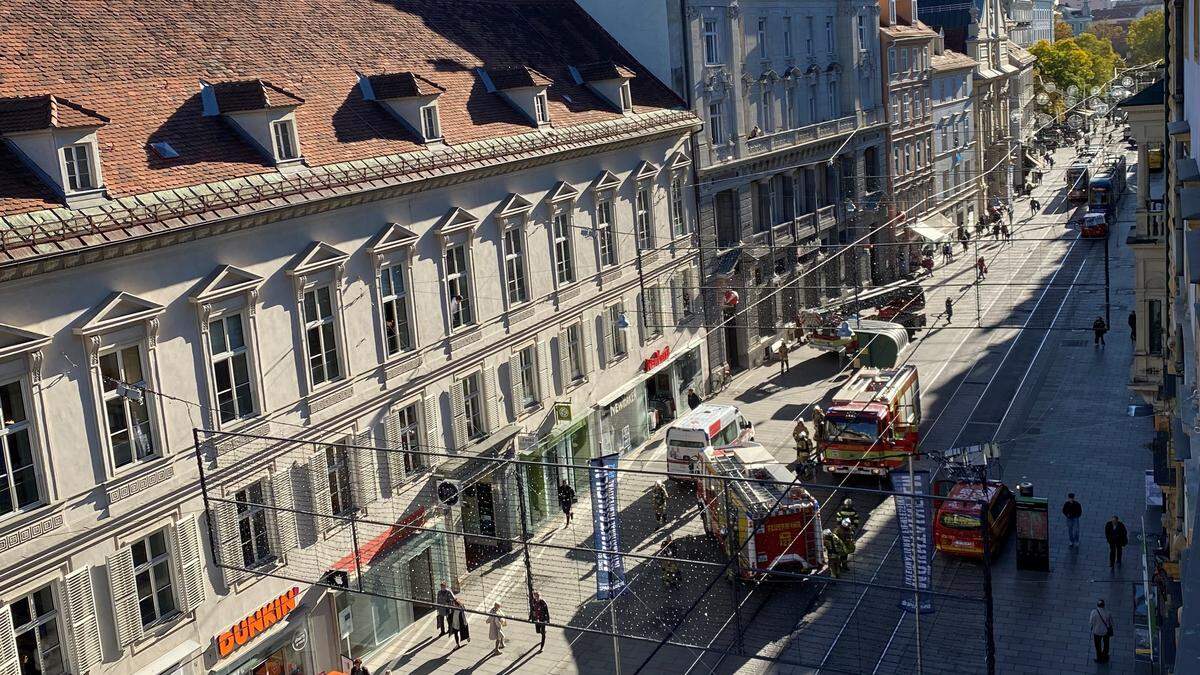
693, 399
1073, 510
459, 627
358, 668
566, 498
1117, 537
539, 614
1099, 328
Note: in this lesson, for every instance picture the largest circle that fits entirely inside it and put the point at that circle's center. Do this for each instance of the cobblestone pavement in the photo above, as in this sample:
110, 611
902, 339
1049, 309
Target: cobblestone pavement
1057, 406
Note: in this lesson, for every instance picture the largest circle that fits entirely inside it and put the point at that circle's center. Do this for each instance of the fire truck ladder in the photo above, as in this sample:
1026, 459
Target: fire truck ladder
754, 495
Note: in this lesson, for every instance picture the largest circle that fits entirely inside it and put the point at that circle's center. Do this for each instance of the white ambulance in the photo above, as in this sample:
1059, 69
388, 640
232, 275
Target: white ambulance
708, 426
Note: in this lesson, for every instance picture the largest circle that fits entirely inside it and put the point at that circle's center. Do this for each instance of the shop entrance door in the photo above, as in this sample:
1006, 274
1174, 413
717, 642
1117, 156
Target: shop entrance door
660, 396
479, 517
733, 351
420, 581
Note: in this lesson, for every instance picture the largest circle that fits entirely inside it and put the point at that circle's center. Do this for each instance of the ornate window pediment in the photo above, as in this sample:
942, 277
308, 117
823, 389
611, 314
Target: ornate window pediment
226, 281
392, 237
16, 341
317, 257
607, 180
456, 221
679, 160
120, 310
645, 171
562, 191
514, 205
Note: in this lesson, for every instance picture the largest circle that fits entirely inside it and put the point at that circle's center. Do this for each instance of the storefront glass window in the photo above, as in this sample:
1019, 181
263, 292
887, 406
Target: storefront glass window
625, 423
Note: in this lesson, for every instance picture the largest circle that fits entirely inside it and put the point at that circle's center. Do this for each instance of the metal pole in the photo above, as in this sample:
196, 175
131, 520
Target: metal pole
978, 301
612, 618
208, 521
524, 533
916, 577
988, 627
354, 541
1107, 286
737, 574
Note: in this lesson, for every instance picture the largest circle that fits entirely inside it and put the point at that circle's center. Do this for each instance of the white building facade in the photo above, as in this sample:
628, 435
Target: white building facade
954, 138
392, 257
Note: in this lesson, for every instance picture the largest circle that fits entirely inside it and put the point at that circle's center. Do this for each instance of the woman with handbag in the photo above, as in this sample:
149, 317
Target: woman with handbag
1101, 623
496, 624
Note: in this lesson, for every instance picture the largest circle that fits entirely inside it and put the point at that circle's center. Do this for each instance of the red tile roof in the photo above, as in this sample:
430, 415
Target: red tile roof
45, 111
246, 95
140, 63
516, 77
402, 85
603, 70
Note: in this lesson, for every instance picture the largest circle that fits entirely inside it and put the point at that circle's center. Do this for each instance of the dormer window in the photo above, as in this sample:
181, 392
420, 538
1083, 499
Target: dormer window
78, 163
522, 88
431, 127
541, 106
626, 98
607, 79
284, 133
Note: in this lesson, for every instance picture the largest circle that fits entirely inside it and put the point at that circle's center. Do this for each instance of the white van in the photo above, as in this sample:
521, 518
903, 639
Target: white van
708, 426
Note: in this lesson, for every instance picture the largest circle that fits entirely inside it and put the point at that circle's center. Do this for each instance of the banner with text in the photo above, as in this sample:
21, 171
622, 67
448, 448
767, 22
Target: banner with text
916, 535
610, 567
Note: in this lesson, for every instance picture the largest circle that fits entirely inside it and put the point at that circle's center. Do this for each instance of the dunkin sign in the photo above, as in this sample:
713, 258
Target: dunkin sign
255, 624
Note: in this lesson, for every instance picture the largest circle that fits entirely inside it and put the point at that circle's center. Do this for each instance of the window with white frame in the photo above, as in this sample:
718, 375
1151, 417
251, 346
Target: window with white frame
320, 336
394, 310
617, 346
907, 157
605, 236
787, 36
126, 415
78, 161
526, 377
626, 98
929, 150
575, 354
766, 118
904, 62
835, 103
284, 133
18, 474
812, 102
905, 106
644, 218
808, 36
516, 283
253, 530
716, 124
919, 163
861, 22
896, 158
152, 572
789, 108
891, 56
564, 253
895, 107
408, 438
431, 126
458, 287
762, 37
36, 634
891, 12
712, 43
541, 107
337, 467
829, 37
679, 226
231, 368
472, 397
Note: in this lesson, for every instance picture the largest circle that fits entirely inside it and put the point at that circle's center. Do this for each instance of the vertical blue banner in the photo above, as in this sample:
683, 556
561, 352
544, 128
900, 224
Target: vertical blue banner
918, 568
610, 567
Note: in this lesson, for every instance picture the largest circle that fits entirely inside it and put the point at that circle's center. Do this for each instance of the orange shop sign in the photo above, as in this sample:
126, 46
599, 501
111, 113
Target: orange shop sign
255, 624
656, 359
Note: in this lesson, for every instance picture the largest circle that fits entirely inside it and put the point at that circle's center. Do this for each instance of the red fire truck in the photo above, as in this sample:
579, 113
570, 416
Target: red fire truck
788, 538
873, 423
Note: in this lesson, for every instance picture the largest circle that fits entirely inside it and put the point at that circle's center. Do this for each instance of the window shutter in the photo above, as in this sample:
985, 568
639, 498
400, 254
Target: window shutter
516, 385
229, 542
391, 465
491, 398
8, 644
189, 565
641, 304
691, 286
284, 524
676, 299
545, 388
586, 329
318, 484
432, 440
122, 589
362, 464
606, 339
564, 361
458, 413
82, 626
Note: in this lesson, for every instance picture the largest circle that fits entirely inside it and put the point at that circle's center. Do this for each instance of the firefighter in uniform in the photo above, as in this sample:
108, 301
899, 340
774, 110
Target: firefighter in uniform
670, 568
660, 502
818, 418
804, 444
845, 532
847, 512
835, 551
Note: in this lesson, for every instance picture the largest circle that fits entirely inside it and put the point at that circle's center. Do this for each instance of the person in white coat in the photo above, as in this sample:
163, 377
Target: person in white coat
1101, 624
496, 624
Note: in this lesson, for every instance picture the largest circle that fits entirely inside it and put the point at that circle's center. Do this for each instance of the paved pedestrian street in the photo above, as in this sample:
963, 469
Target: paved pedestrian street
1017, 366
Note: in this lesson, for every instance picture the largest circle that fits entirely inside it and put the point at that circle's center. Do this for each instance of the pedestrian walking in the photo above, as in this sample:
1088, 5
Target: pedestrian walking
1073, 511
1133, 326
693, 399
566, 499
459, 627
783, 357
1099, 328
660, 502
996, 228
1117, 537
980, 268
949, 309
445, 601
1034, 206
539, 614
358, 668
1005, 233
1101, 624
963, 238
947, 253
496, 624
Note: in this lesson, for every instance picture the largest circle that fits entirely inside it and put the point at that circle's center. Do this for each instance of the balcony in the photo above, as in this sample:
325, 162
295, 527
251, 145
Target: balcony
826, 217
806, 226
808, 134
781, 234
